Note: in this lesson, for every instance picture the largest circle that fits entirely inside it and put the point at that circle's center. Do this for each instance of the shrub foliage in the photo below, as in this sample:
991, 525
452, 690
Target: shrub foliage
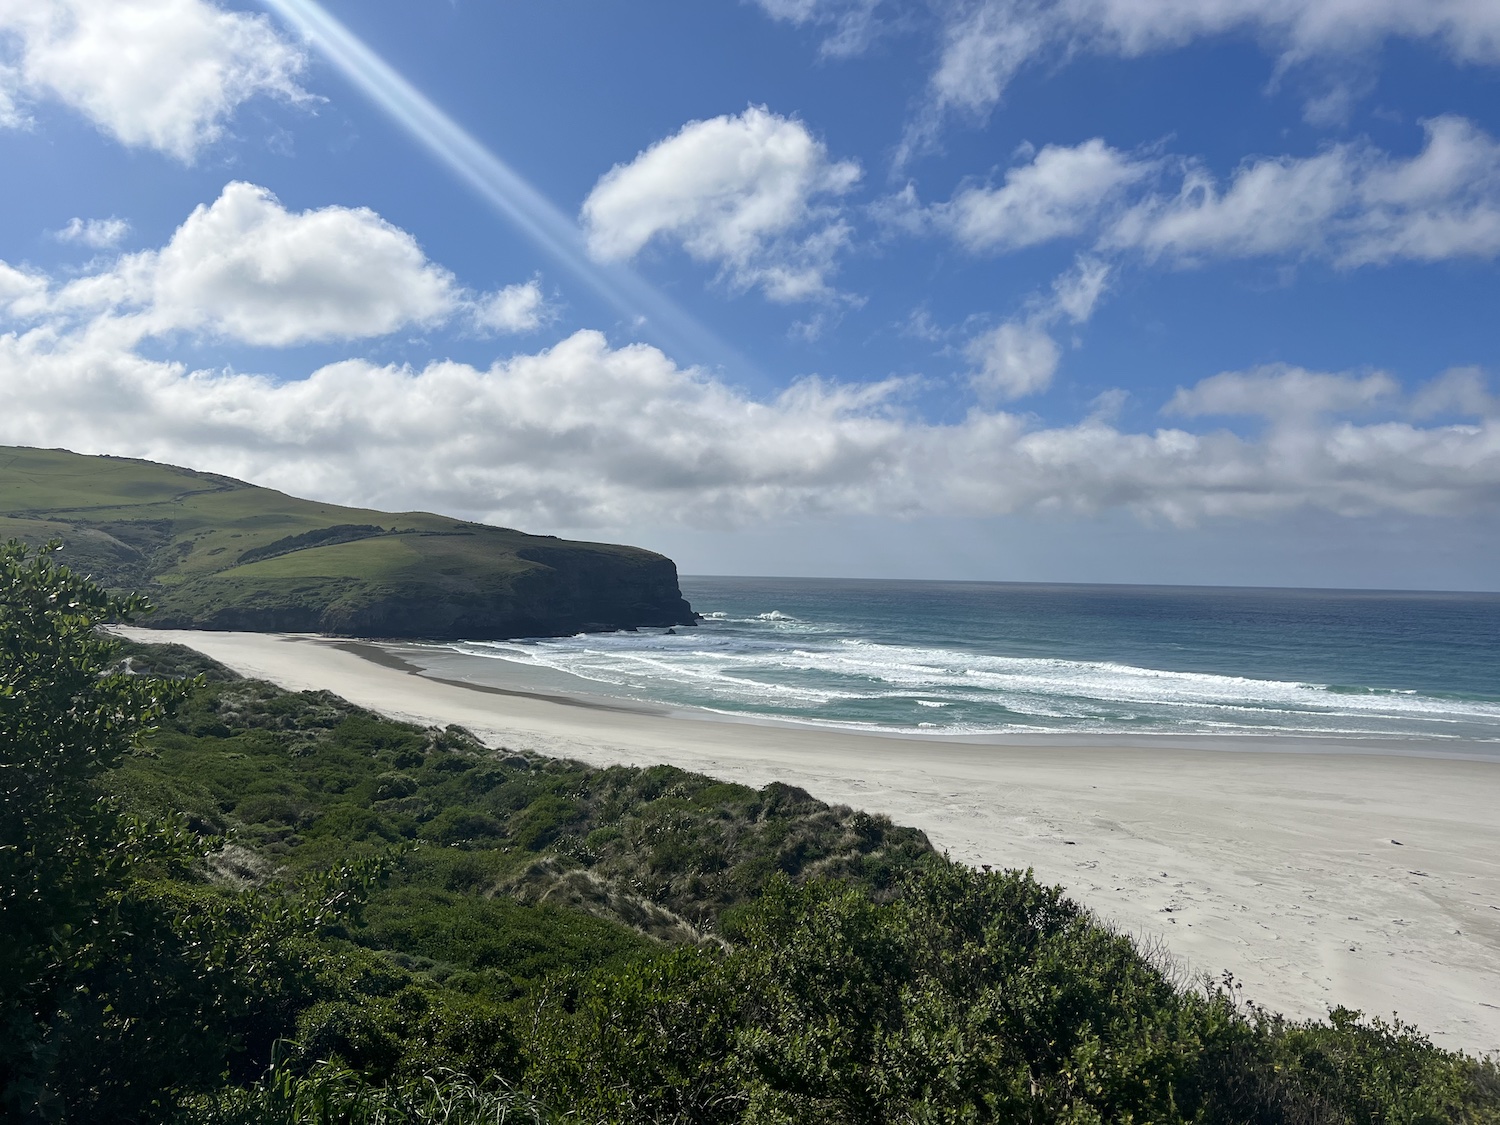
228, 904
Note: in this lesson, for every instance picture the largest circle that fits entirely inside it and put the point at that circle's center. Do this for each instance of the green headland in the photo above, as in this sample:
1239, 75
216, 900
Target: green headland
213, 552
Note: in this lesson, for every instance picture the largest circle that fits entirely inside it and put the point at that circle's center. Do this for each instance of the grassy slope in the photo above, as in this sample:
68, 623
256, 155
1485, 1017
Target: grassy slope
181, 536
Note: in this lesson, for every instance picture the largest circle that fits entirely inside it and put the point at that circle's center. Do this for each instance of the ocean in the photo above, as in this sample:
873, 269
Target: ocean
982, 658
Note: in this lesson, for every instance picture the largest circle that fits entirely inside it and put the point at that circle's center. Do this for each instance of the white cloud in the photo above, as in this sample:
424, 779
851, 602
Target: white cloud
1076, 294
1057, 194
1462, 390
516, 308
1443, 203
983, 44
795, 11
101, 234
752, 193
245, 268
1298, 28
1333, 106
1012, 361
1351, 203
11, 116
162, 74
585, 435
1020, 357
23, 294
1273, 206
1284, 393
853, 24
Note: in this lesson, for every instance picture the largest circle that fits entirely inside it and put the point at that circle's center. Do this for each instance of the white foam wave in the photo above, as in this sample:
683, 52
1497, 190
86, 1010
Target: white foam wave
749, 667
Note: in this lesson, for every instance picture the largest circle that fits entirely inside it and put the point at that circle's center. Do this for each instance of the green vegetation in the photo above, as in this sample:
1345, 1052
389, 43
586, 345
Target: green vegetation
216, 553
278, 908
333, 1093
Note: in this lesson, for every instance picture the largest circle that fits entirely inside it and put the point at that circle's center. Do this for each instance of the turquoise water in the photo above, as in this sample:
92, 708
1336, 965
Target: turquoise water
975, 658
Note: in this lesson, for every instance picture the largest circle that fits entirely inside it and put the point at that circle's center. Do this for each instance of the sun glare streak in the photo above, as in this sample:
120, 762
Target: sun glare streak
644, 307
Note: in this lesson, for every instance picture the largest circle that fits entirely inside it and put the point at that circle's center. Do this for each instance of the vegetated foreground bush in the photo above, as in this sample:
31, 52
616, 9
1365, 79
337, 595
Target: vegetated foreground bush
276, 907
330, 1092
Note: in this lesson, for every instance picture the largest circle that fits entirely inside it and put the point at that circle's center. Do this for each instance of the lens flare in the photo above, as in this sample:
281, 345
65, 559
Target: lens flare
642, 306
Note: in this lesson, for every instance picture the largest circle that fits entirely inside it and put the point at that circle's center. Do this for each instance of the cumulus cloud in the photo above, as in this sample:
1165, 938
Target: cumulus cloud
583, 434
1284, 393
1058, 193
245, 268
1272, 206
754, 194
1020, 357
1012, 361
984, 43
586, 435
1443, 203
23, 293
516, 308
1462, 390
1300, 28
101, 234
1351, 203
162, 74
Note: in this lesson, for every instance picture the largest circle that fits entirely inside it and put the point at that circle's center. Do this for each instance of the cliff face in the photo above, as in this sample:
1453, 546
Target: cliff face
572, 591
216, 553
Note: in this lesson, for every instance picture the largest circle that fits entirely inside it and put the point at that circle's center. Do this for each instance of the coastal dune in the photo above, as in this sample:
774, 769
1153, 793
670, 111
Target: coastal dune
1318, 874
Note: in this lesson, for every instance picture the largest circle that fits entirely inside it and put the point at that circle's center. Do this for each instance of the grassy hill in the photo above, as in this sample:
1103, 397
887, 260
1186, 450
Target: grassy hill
216, 553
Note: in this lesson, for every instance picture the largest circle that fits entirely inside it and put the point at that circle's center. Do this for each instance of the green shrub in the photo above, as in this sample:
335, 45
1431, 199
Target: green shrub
854, 976
391, 785
332, 1093
542, 821
462, 825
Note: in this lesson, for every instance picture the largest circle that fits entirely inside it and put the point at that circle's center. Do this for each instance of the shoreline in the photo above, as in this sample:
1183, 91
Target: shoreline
1319, 875
575, 690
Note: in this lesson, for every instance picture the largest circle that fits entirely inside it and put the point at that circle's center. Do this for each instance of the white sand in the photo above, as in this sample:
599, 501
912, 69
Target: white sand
1270, 861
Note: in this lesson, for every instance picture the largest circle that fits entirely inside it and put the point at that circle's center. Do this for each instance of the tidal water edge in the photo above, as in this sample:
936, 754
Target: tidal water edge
1010, 658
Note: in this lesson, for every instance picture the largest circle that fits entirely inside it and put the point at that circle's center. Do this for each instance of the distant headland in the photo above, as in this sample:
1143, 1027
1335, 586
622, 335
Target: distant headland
213, 552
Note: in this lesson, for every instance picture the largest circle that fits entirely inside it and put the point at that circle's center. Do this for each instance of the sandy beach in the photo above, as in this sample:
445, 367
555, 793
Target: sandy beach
1318, 875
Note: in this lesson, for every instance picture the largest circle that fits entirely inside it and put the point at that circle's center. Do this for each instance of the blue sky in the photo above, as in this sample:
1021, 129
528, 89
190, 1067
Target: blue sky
1093, 290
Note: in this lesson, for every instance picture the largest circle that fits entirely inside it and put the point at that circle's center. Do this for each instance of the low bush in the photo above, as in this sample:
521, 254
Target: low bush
229, 904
